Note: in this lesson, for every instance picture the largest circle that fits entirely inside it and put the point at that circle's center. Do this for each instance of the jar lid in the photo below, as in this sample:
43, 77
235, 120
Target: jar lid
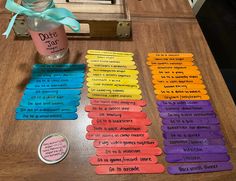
53, 148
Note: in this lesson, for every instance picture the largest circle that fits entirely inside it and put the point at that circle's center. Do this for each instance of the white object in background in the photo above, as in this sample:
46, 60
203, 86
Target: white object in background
196, 5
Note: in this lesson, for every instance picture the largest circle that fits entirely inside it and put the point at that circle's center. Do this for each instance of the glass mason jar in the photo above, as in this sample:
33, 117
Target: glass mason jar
49, 37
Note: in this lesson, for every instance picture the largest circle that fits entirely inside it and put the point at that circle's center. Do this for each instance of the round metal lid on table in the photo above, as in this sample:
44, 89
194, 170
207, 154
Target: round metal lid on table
53, 148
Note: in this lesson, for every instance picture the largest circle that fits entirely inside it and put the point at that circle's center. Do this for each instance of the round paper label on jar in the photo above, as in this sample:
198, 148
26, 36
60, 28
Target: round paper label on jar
53, 148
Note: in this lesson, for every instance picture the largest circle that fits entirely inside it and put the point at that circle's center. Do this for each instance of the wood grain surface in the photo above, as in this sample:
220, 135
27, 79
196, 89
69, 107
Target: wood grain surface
160, 8
2, 7
19, 139
149, 8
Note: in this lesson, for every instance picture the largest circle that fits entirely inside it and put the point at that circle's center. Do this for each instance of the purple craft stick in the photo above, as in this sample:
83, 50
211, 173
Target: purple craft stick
200, 168
171, 128
193, 142
187, 102
210, 114
190, 121
185, 108
213, 157
194, 149
192, 134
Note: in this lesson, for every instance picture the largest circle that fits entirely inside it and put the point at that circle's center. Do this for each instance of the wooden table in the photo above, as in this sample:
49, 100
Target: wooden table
19, 139
160, 8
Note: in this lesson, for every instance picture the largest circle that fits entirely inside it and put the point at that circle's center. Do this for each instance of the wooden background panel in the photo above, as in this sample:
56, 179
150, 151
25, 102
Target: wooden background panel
2, 7
19, 139
160, 8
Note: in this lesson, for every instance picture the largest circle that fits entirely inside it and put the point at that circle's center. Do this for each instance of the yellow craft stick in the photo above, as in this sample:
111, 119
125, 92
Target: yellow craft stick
177, 81
170, 63
171, 55
99, 65
111, 80
114, 96
114, 62
112, 75
173, 68
180, 91
114, 91
179, 86
175, 72
112, 85
108, 57
182, 97
114, 53
118, 71
166, 77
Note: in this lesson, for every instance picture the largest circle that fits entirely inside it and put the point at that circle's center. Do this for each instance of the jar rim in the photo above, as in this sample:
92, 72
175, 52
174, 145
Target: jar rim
38, 5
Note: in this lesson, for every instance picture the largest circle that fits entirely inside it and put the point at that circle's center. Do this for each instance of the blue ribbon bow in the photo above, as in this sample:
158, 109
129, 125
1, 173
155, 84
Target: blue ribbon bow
57, 15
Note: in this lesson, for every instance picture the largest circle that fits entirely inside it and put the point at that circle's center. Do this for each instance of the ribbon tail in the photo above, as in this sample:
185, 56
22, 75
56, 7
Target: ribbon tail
71, 23
9, 28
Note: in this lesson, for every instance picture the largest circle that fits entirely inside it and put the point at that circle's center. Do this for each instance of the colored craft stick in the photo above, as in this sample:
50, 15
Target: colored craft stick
200, 168
78, 66
184, 102
36, 92
130, 169
118, 102
193, 142
131, 108
122, 160
108, 57
113, 53
114, 96
116, 71
116, 128
198, 97
113, 75
117, 135
129, 151
117, 114
46, 109
114, 91
46, 116
124, 143
121, 121
213, 157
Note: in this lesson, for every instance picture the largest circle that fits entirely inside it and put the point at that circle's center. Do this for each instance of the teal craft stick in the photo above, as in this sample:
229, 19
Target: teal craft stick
76, 66
58, 70
54, 86
50, 97
47, 103
58, 80
52, 92
47, 75
46, 109
46, 116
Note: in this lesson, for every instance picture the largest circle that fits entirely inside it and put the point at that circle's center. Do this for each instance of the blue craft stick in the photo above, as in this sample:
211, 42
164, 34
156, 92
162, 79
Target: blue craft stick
52, 92
61, 70
46, 116
47, 103
57, 80
54, 86
50, 97
46, 109
59, 66
48, 75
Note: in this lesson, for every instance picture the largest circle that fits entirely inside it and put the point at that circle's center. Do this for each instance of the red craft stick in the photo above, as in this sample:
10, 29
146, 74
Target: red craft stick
130, 169
114, 102
101, 108
117, 114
